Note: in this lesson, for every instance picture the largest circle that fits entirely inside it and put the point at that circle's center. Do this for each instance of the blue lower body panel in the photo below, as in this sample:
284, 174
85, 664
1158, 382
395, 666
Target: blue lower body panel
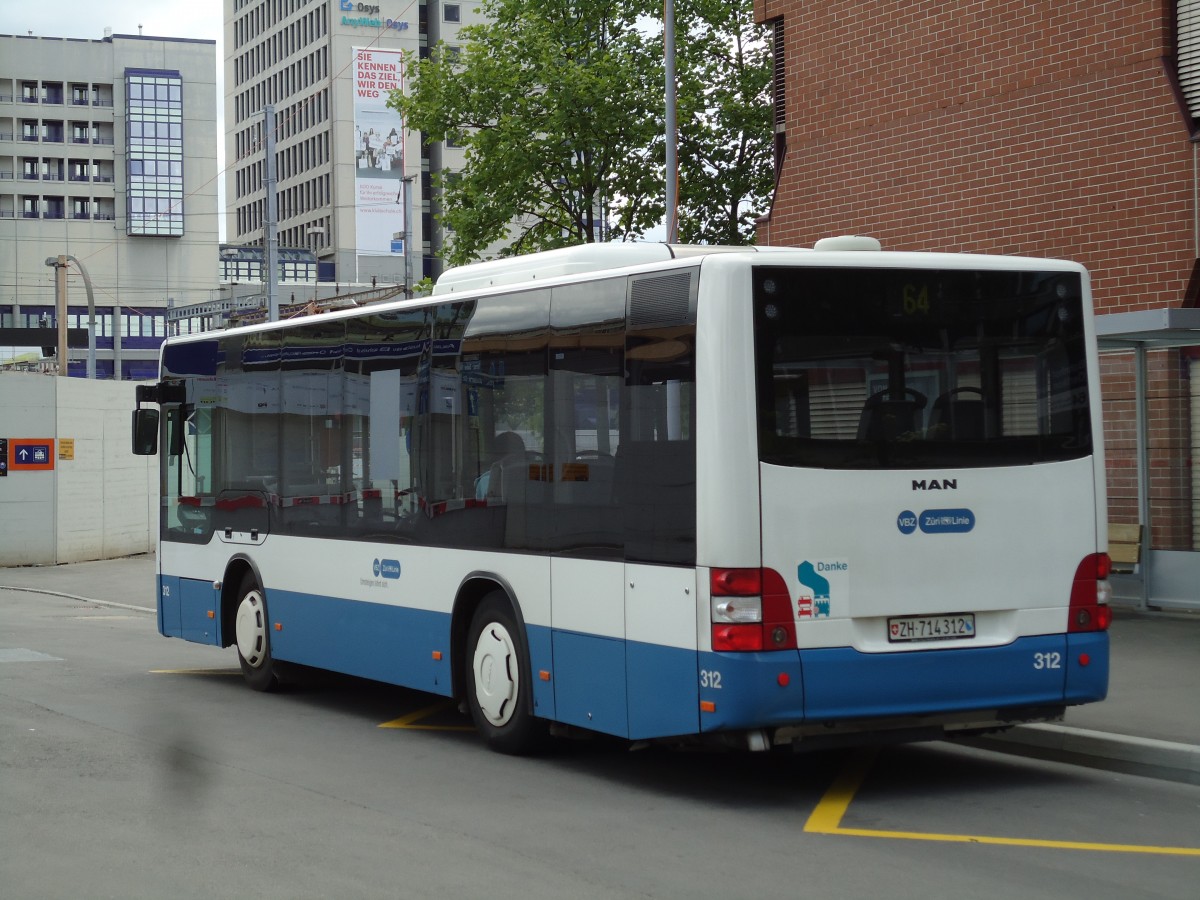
1087, 667
590, 682
187, 608
369, 640
625, 688
826, 685
639, 690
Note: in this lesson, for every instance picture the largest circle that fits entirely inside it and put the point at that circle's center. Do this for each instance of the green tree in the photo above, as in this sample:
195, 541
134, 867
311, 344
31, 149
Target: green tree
558, 108
724, 64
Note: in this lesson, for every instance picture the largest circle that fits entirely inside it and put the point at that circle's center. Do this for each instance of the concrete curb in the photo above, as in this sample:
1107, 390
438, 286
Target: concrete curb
92, 601
1099, 750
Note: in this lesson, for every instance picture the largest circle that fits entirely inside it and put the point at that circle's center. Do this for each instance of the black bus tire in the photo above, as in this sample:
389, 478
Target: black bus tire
497, 678
253, 637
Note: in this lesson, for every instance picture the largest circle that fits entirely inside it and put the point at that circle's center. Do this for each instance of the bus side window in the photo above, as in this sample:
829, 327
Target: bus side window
656, 463
587, 372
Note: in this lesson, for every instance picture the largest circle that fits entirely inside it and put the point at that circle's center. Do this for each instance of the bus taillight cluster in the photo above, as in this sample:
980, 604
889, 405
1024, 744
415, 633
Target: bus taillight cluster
1090, 593
751, 610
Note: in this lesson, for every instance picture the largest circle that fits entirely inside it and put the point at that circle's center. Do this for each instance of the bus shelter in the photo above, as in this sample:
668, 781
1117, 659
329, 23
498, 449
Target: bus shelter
1163, 579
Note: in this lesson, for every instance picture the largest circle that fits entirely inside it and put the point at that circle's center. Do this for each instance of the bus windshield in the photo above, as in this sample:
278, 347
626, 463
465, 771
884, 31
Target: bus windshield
917, 368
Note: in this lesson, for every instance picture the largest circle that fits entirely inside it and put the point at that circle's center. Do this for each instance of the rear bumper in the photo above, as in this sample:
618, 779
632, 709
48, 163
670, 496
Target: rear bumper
842, 687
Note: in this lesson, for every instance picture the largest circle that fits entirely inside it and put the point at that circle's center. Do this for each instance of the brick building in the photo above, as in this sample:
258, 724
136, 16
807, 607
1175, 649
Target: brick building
1059, 128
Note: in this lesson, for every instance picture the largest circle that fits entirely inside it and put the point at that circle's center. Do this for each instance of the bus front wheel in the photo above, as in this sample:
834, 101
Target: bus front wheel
253, 637
498, 686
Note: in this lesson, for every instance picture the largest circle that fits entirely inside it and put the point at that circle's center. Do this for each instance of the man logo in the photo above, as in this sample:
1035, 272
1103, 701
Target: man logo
935, 484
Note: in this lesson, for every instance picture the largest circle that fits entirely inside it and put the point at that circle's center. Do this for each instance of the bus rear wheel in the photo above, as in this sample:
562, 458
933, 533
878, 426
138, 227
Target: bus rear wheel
250, 627
498, 685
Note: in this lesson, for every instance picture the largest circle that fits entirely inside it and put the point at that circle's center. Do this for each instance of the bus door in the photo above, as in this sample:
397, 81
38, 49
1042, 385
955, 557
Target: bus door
656, 489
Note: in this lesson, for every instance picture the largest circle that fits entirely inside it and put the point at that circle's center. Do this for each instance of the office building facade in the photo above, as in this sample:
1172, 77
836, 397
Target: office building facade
107, 157
352, 183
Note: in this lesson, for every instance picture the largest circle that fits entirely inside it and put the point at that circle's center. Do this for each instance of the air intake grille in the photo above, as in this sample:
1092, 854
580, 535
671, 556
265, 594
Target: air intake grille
660, 300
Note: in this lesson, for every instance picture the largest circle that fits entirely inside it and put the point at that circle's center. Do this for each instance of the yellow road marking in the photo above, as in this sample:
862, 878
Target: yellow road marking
195, 671
407, 721
826, 818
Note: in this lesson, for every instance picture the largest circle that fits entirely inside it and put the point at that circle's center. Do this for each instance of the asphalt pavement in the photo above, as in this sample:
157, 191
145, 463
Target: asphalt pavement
1149, 725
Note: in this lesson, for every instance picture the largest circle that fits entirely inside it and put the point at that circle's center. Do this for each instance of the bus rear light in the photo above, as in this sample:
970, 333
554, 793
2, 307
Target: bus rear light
737, 609
735, 582
751, 610
1090, 593
742, 638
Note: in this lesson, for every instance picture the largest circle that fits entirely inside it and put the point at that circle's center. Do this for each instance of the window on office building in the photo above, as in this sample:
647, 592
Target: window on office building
155, 157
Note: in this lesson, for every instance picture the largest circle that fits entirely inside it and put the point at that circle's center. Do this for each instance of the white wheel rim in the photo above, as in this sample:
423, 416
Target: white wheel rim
250, 627
497, 677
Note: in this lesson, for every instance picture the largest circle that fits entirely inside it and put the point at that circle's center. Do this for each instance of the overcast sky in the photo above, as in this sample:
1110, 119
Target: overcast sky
89, 18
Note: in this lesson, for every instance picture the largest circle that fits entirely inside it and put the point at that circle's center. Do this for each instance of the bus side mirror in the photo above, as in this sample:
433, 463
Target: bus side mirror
145, 432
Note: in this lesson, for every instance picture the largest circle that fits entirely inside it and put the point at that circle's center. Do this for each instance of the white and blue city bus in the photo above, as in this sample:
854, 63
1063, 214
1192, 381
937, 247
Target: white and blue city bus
759, 497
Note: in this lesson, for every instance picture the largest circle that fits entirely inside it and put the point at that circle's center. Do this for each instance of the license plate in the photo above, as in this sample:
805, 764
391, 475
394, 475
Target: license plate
931, 628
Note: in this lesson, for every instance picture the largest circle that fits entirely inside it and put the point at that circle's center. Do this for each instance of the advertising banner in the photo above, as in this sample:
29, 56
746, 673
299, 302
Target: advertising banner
378, 153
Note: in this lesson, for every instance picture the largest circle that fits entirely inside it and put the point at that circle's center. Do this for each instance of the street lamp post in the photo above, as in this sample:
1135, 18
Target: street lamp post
59, 264
270, 182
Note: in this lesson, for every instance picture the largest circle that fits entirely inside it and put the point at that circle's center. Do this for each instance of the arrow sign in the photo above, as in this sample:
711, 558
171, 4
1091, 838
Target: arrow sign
31, 454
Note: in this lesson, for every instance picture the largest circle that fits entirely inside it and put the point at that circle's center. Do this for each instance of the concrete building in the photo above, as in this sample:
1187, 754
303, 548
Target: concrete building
352, 181
1060, 128
78, 493
108, 156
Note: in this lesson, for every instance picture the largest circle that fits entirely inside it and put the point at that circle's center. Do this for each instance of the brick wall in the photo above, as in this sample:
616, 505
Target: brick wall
1034, 128
1043, 128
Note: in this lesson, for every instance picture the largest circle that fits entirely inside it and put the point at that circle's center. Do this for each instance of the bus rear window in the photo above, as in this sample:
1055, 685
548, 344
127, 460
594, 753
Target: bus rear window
912, 368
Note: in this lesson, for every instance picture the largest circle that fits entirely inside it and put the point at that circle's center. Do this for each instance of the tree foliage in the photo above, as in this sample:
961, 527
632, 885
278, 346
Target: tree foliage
725, 121
559, 109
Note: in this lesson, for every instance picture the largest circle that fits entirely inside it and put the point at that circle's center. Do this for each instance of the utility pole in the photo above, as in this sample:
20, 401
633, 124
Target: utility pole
272, 223
672, 167
407, 181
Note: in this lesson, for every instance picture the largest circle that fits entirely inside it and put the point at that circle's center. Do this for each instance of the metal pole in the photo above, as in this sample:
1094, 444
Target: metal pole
118, 319
672, 167
60, 307
272, 223
408, 285
87, 284
1143, 466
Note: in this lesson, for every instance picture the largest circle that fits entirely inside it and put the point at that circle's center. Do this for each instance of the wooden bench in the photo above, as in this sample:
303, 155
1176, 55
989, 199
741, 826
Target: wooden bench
1125, 546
